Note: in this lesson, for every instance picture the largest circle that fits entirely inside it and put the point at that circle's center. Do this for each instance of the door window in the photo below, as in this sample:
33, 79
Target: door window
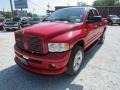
90, 14
96, 13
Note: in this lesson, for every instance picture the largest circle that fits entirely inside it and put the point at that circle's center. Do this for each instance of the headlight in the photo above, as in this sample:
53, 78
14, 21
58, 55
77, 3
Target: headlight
58, 47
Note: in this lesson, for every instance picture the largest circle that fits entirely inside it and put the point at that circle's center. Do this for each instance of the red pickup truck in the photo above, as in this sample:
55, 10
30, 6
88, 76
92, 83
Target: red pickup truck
57, 44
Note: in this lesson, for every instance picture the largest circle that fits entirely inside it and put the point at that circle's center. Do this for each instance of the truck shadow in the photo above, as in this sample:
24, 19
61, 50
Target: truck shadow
14, 78
4, 31
114, 25
89, 53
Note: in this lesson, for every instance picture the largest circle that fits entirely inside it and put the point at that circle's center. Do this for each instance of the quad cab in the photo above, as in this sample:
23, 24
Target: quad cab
57, 44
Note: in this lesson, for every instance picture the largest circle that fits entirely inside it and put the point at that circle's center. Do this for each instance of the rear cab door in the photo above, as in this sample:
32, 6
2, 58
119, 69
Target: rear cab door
91, 30
99, 25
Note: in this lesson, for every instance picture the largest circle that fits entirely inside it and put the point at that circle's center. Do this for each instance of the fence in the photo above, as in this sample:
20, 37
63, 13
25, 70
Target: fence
107, 10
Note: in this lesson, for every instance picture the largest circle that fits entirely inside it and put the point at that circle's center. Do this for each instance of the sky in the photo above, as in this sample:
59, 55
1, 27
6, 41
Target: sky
40, 6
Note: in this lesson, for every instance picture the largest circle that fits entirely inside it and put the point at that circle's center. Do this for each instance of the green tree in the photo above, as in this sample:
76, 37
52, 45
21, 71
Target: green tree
7, 14
29, 14
81, 4
106, 2
34, 15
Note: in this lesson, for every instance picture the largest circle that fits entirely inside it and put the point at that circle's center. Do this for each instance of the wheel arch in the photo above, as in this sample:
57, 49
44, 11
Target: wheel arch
104, 29
80, 43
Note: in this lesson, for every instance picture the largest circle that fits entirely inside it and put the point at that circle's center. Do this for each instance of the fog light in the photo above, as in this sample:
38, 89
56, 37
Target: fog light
52, 66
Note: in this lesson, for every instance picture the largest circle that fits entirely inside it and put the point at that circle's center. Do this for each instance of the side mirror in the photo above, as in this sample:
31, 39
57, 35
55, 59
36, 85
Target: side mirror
94, 19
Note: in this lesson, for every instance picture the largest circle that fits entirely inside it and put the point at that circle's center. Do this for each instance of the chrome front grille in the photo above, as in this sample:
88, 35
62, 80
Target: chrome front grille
34, 44
19, 40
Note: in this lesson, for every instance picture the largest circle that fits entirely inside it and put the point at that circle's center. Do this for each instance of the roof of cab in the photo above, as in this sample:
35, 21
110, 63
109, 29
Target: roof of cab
85, 7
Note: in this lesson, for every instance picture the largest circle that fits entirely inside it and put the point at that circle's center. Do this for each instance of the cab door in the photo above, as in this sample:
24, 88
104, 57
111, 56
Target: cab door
91, 30
100, 26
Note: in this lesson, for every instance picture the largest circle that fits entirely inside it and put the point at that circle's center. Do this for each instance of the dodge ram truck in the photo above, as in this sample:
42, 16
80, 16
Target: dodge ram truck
57, 45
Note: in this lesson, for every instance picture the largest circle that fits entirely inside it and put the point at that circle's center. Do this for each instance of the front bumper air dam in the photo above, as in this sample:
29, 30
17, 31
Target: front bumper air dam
50, 64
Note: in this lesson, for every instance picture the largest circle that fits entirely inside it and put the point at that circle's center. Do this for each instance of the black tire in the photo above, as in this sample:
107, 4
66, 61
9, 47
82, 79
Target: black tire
20, 27
102, 38
1, 28
110, 23
7, 30
70, 66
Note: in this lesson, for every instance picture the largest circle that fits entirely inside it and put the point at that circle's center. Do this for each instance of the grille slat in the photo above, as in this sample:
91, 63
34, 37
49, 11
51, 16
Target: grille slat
19, 40
20, 44
34, 44
33, 39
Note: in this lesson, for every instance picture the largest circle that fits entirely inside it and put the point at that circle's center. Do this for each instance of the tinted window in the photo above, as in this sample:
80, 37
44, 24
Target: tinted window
68, 14
8, 20
35, 19
91, 14
16, 19
24, 20
95, 13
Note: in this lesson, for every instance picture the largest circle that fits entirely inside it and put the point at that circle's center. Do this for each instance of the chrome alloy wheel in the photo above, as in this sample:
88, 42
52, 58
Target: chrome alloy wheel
77, 60
103, 37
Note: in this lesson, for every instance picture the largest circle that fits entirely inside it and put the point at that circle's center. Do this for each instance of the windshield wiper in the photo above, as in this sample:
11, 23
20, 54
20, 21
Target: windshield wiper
58, 20
61, 19
47, 20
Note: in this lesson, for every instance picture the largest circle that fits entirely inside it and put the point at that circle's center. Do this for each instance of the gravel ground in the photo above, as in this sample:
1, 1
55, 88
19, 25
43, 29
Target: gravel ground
100, 70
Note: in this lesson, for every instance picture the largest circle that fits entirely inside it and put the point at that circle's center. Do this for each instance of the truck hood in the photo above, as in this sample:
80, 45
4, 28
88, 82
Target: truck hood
51, 29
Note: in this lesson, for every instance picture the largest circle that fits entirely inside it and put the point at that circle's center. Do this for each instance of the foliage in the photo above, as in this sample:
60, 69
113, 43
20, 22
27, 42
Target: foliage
7, 14
81, 4
34, 15
106, 3
29, 14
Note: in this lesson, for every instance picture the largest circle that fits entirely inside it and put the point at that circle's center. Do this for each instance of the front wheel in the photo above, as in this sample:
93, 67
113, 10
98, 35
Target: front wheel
102, 38
75, 60
110, 23
7, 30
20, 27
1, 28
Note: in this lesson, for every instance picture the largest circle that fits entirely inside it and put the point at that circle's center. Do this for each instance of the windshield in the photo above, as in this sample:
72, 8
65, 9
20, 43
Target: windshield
16, 19
114, 16
68, 14
35, 19
8, 21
